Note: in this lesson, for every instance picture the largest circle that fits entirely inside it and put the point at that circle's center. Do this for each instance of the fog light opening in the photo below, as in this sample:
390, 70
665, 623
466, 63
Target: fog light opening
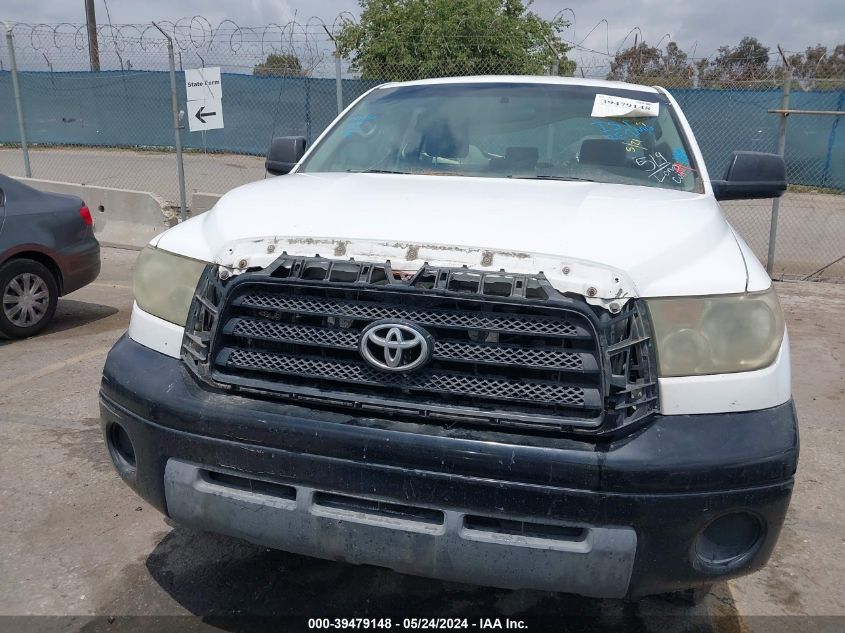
121, 449
728, 542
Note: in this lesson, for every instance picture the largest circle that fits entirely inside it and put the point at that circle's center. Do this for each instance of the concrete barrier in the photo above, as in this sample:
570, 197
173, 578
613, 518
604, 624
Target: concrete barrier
122, 217
202, 201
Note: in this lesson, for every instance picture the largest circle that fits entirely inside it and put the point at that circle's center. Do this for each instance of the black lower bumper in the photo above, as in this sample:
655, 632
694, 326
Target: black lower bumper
665, 484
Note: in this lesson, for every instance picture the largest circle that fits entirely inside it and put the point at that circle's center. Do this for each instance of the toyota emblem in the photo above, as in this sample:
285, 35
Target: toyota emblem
395, 346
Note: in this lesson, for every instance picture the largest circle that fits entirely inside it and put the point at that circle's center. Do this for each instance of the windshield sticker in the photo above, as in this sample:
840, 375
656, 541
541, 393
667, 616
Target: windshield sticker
623, 130
660, 169
608, 106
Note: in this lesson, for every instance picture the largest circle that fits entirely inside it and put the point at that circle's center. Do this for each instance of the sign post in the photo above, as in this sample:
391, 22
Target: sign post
205, 99
174, 106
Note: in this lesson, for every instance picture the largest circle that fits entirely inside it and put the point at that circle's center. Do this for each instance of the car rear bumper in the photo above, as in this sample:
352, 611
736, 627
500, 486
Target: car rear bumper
80, 265
607, 520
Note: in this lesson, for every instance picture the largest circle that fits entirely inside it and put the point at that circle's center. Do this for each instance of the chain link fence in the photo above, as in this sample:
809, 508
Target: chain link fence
113, 127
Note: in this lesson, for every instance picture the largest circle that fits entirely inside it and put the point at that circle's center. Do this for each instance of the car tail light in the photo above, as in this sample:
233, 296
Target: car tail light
85, 214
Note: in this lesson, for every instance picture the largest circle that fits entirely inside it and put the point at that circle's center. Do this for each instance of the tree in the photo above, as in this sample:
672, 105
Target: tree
817, 63
634, 63
747, 61
675, 61
647, 64
409, 39
279, 65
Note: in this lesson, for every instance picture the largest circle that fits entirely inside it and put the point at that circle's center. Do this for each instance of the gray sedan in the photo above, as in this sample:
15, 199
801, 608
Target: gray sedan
47, 249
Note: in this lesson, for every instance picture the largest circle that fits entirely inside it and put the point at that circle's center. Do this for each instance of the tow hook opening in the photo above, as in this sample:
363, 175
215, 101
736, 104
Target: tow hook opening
728, 542
121, 449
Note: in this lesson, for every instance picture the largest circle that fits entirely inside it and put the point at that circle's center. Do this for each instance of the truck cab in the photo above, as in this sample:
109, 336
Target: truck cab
487, 329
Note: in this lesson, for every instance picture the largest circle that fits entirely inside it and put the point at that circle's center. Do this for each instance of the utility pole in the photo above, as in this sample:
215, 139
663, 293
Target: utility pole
93, 47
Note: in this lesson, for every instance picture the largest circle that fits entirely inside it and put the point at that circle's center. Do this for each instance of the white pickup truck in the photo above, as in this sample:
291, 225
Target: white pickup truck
486, 329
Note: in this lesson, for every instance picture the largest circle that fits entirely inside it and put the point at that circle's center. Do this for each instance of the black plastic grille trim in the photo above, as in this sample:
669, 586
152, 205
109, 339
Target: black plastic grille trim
250, 328
450, 319
509, 350
451, 382
291, 333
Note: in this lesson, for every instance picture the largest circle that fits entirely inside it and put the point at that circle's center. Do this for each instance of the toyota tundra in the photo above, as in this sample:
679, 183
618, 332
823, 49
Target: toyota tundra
494, 330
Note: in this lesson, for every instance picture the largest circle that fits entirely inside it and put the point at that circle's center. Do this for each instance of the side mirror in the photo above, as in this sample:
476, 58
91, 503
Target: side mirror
285, 152
752, 175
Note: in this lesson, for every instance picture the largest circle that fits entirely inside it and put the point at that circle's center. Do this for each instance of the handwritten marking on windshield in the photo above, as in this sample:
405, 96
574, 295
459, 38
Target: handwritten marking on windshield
659, 168
633, 145
623, 130
362, 124
680, 156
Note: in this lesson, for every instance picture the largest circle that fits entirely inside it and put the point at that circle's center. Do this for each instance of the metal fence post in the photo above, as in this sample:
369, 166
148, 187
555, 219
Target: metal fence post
174, 104
18, 102
308, 110
773, 227
840, 105
338, 81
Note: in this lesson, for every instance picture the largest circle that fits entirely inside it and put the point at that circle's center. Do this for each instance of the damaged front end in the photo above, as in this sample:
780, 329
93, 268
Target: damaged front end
436, 340
598, 284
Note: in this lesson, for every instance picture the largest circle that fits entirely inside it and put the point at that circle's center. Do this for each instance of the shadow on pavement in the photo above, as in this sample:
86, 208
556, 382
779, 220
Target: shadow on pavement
71, 314
235, 586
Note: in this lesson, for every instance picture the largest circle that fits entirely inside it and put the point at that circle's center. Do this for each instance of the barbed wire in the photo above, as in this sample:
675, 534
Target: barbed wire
197, 32
46, 46
311, 41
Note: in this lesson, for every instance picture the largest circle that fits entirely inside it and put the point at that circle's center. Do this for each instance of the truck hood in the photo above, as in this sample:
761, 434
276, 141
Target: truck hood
630, 240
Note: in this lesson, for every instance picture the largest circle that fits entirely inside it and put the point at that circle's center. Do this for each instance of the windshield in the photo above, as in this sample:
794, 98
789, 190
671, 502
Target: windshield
512, 130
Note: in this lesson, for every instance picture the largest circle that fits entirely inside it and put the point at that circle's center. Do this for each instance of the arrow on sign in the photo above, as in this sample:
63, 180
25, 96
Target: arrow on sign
200, 114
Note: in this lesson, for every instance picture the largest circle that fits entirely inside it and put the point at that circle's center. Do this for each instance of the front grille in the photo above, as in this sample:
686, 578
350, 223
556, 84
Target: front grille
506, 350
452, 319
456, 384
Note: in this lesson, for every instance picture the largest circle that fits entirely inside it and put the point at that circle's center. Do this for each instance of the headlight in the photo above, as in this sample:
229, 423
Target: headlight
716, 335
165, 283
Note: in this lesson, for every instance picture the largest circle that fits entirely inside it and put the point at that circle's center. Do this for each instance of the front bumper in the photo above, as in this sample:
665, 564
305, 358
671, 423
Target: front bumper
605, 520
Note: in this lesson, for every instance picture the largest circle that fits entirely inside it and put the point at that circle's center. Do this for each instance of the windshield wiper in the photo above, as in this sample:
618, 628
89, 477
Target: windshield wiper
550, 177
374, 171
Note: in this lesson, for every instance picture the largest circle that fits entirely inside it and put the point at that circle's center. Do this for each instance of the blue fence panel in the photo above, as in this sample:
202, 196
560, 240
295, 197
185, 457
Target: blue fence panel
9, 132
727, 120
132, 109
80, 108
815, 149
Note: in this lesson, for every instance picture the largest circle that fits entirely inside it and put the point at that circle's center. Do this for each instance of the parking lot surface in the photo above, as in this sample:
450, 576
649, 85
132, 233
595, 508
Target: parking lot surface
74, 540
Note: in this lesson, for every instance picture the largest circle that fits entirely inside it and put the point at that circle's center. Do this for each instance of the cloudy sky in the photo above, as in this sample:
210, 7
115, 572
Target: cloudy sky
698, 27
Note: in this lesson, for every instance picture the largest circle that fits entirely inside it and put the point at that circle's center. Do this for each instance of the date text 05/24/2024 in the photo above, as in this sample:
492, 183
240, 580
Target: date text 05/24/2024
409, 624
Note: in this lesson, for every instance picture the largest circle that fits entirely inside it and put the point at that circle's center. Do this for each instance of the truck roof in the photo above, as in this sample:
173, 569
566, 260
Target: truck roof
525, 79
